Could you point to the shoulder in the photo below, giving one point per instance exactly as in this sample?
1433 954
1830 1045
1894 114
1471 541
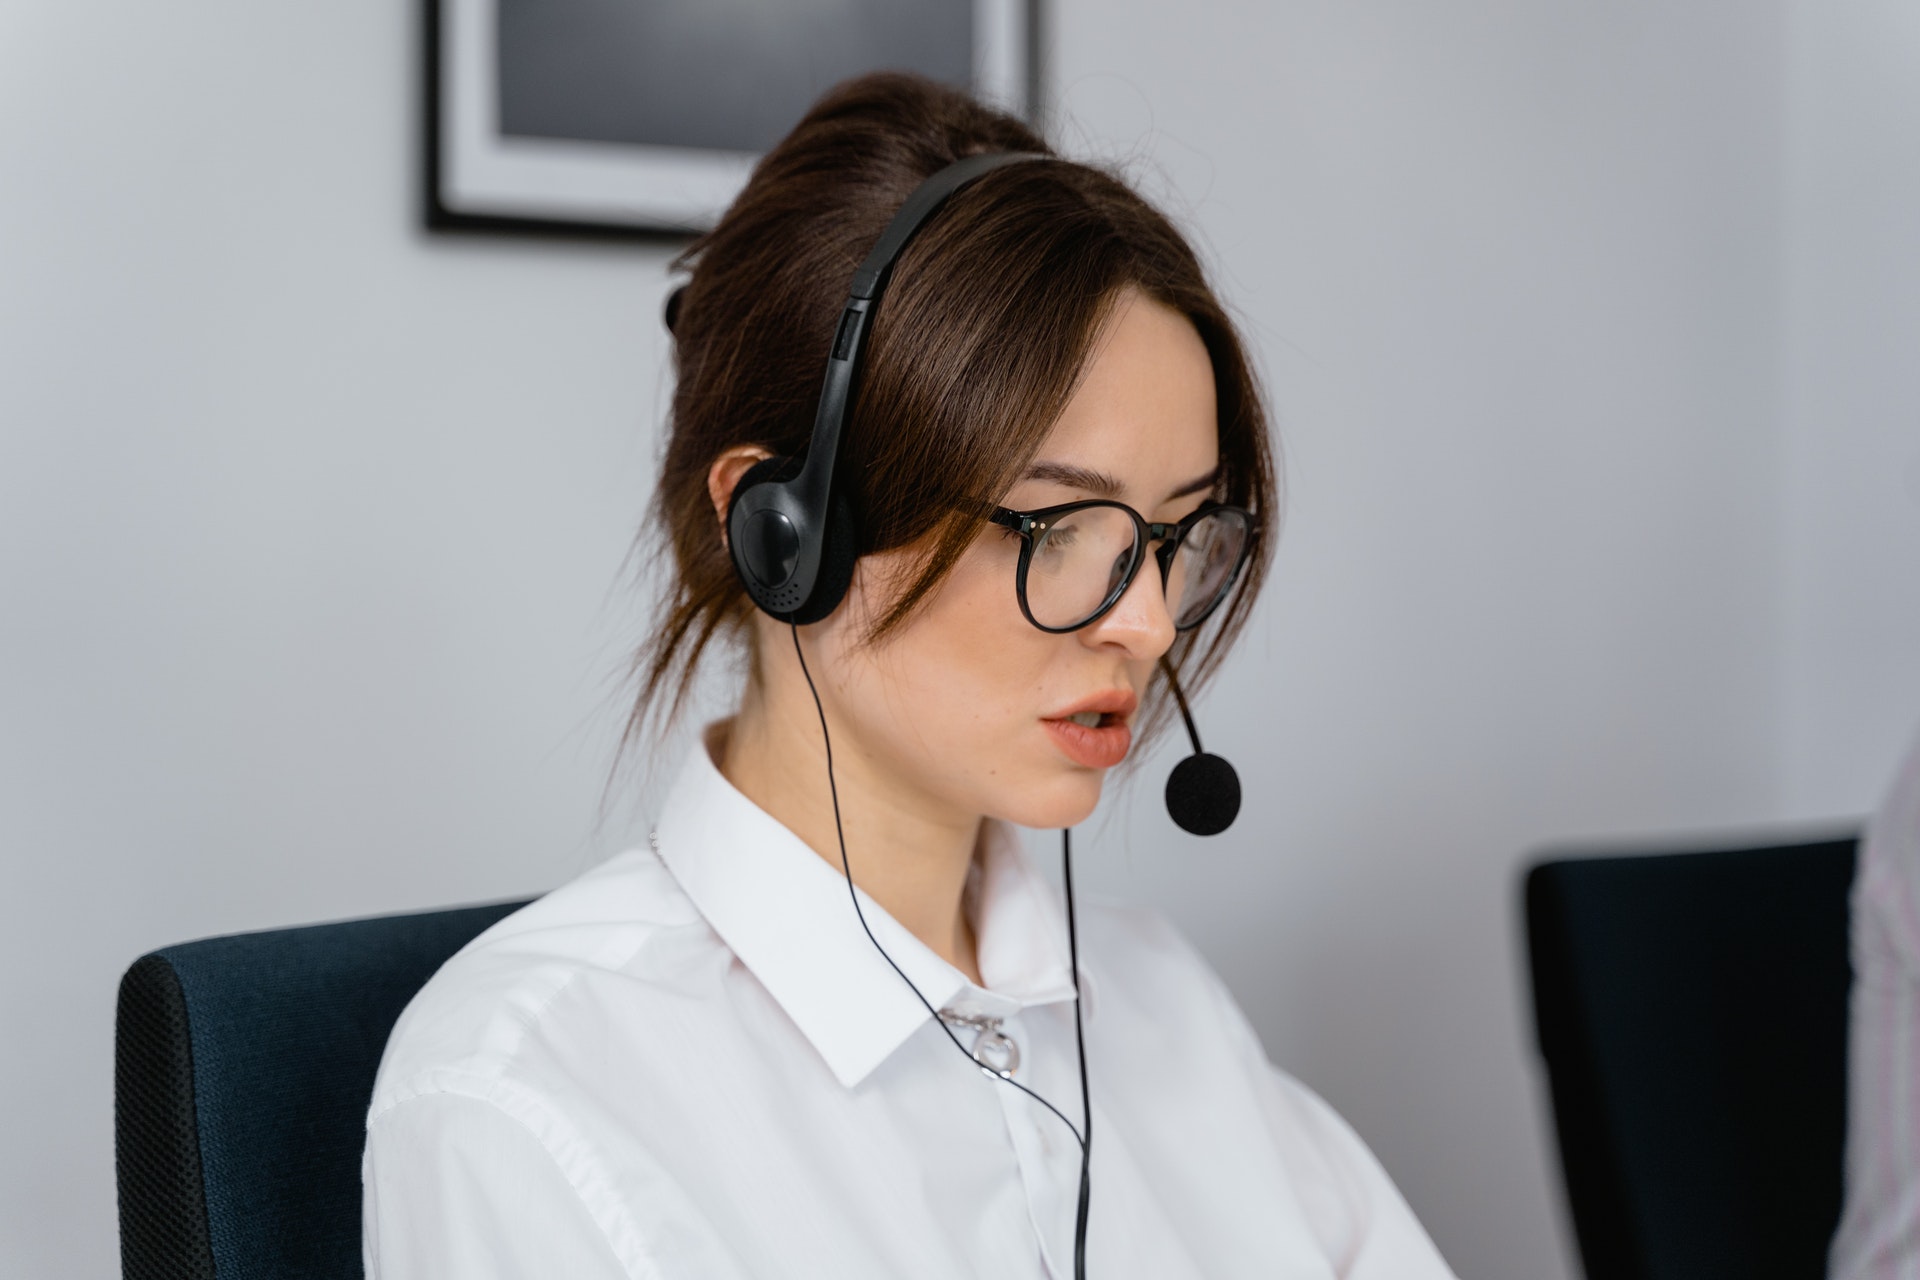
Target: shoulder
1149 971
1140 961
1152 997
1163 1010
623 934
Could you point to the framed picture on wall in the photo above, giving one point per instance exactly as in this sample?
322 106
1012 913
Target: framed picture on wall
645 116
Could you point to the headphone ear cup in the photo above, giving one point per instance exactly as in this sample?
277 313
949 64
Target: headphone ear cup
837 554
836 565
765 471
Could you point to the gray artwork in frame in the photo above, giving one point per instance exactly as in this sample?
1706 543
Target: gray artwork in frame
644 117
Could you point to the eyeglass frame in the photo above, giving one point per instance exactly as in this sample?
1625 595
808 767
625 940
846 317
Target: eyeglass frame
1029 524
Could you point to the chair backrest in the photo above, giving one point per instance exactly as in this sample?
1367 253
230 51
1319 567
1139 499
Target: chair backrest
243 1067
1692 1011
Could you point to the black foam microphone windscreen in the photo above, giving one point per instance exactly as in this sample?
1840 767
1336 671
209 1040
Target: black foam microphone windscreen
1203 794
1203 791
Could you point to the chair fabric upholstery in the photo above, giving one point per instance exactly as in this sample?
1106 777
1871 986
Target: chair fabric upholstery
1692 1012
243 1067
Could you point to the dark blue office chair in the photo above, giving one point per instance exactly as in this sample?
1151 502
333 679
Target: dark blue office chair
1692 1011
242 1071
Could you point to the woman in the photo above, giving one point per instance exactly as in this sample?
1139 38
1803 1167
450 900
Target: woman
713 1057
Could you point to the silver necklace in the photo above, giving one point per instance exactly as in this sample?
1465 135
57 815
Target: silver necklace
996 1052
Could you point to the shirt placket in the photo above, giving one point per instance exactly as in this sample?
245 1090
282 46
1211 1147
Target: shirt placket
1048 1158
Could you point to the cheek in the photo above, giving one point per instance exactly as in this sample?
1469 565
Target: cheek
970 661
956 695
975 623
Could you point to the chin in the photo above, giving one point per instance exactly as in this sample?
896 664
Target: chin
1065 800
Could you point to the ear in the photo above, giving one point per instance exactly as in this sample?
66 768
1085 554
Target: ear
725 474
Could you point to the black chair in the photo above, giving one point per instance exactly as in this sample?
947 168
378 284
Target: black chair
1692 1011
242 1071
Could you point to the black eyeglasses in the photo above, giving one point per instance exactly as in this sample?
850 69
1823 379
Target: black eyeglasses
1079 558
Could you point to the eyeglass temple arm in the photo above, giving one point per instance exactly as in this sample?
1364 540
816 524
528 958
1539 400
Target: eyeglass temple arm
1009 519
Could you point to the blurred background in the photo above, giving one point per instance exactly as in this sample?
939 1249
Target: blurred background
1592 332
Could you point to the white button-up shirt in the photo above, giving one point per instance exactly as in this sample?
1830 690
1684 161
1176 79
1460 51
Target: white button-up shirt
690 1062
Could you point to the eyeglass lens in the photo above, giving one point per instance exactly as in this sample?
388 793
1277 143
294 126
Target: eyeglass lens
1081 560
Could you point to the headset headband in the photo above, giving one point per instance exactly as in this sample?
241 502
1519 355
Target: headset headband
863 300
793 553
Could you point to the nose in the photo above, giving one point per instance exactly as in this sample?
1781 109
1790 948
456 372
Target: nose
1140 623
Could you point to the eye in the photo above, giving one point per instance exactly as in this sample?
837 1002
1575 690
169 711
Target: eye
1058 538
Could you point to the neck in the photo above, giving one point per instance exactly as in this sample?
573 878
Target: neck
907 854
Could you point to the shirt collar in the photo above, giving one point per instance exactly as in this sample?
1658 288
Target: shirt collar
785 913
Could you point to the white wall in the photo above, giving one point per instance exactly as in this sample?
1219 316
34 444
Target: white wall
311 524
1851 607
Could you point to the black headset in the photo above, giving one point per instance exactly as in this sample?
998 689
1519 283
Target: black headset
789 529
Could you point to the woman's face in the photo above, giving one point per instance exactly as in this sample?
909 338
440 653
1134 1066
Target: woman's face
968 707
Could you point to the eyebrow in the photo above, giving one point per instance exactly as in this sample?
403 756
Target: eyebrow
1199 484
1102 485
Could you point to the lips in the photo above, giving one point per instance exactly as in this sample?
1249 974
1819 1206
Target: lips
1095 746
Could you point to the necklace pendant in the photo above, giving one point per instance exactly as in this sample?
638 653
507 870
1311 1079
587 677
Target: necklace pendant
996 1052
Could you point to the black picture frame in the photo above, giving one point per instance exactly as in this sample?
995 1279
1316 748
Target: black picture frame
518 142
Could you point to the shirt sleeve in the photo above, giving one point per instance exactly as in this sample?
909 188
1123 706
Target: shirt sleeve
1879 1233
453 1186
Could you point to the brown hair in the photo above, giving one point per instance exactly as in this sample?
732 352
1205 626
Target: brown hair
974 354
